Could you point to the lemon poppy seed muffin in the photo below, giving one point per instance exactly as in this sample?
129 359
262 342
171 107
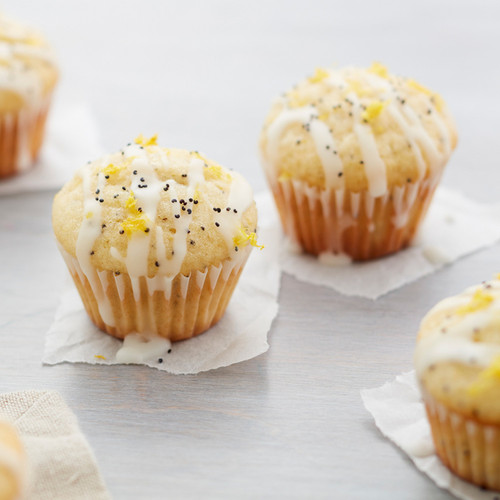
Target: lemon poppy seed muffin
457 362
155 239
28 75
353 157
12 463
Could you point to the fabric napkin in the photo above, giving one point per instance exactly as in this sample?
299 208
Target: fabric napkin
61 465
399 413
71 139
241 334
454 227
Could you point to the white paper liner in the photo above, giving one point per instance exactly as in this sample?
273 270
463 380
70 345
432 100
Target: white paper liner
71 139
241 334
399 413
201 297
358 224
455 226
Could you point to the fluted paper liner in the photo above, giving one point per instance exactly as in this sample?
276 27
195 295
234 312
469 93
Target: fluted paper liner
340 221
175 308
469 448
21 137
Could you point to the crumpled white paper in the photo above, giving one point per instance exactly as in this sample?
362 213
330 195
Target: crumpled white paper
455 226
241 334
399 413
71 139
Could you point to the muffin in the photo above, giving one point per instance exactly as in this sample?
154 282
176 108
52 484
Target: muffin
12 463
28 75
353 157
458 368
155 239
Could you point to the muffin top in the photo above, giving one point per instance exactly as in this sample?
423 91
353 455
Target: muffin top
27 66
457 357
152 211
359 129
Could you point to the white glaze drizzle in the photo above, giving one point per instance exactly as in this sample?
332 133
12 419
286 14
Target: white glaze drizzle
87 236
320 134
453 340
239 199
286 117
181 224
326 149
137 348
375 169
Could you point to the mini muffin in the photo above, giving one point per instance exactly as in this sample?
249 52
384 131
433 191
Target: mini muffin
353 157
155 239
458 367
28 75
12 463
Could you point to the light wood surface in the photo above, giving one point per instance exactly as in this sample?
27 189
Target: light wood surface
290 423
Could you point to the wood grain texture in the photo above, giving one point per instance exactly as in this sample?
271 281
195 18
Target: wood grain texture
290 423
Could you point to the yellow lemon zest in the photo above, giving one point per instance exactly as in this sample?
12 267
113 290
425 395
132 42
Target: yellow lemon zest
88 215
216 172
378 69
99 356
480 300
486 378
320 74
111 169
373 110
323 117
131 202
242 239
136 221
142 141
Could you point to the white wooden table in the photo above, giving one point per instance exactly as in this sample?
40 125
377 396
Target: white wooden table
290 423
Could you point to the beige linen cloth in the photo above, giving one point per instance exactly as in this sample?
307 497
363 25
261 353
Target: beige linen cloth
61 463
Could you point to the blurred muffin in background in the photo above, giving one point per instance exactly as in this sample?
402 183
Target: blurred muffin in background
28 75
353 157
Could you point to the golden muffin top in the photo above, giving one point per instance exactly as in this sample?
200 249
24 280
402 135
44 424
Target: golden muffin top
359 129
457 357
27 67
151 211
